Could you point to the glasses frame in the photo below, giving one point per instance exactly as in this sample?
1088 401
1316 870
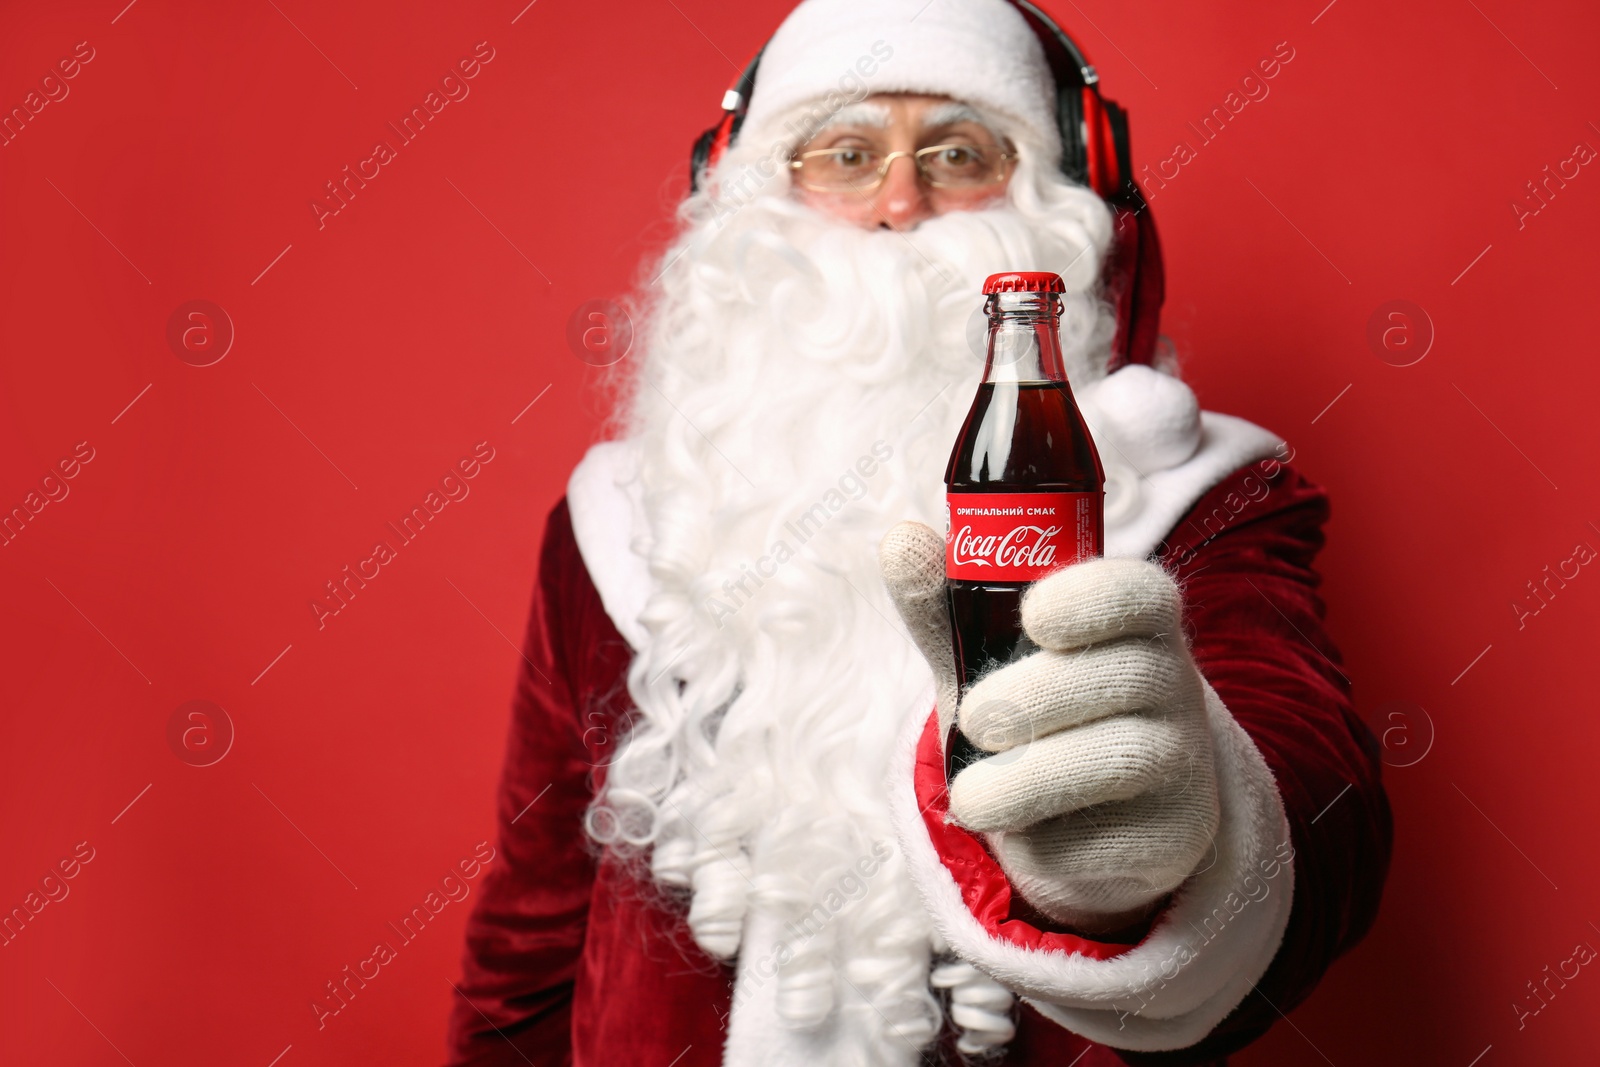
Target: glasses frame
796 164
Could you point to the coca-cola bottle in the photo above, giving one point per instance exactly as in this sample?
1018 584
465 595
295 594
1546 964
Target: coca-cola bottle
1024 488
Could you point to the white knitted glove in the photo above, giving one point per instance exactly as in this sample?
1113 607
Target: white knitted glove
1102 795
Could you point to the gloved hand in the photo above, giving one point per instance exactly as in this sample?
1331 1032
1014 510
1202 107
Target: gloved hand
1102 795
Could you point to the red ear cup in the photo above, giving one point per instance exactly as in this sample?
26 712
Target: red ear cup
710 146
1093 150
1113 158
720 142
1100 144
1134 284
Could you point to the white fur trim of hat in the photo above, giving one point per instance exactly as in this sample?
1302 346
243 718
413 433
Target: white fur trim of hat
837 52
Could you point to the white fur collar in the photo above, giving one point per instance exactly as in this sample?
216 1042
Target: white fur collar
1161 453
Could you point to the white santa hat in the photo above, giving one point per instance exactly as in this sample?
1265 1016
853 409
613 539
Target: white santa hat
836 52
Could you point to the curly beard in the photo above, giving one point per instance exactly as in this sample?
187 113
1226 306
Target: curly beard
800 386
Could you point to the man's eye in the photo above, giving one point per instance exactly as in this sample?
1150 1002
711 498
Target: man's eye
851 157
959 156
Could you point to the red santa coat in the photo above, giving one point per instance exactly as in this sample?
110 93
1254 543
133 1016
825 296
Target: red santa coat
572 958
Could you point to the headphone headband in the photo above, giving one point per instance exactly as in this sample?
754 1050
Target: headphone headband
1054 34
1093 130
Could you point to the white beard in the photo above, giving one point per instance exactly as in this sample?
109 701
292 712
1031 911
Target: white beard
802 383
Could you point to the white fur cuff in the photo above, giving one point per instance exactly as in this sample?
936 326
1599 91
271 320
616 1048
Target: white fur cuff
1213 943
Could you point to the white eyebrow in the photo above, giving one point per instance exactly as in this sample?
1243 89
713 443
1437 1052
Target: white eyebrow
950 113
875 116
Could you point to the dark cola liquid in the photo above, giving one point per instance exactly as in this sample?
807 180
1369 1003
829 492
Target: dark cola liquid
1019 437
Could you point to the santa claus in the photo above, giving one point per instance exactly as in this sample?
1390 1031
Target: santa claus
724 822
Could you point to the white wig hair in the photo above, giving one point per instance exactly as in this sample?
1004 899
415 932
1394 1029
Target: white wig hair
799 383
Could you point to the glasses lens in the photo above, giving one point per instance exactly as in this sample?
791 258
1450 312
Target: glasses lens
839 168
960 164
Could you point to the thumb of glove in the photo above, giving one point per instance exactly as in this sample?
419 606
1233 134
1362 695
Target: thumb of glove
911 559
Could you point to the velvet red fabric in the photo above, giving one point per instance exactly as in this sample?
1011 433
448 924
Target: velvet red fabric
573 958
985 890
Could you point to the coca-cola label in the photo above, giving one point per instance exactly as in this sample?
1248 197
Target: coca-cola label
1019 537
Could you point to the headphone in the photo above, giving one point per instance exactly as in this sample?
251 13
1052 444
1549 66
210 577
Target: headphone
1094 152
1094 130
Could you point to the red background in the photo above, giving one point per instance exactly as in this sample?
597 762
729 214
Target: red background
431 310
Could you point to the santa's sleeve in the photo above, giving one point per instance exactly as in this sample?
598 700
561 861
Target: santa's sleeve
1299 863
526 931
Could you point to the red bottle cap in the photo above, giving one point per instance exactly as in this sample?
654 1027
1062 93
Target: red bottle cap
1025 281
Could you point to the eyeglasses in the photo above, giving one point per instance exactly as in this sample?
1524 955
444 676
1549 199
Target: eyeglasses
862 170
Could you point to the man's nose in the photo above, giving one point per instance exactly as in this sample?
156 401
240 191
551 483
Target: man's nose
901 202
